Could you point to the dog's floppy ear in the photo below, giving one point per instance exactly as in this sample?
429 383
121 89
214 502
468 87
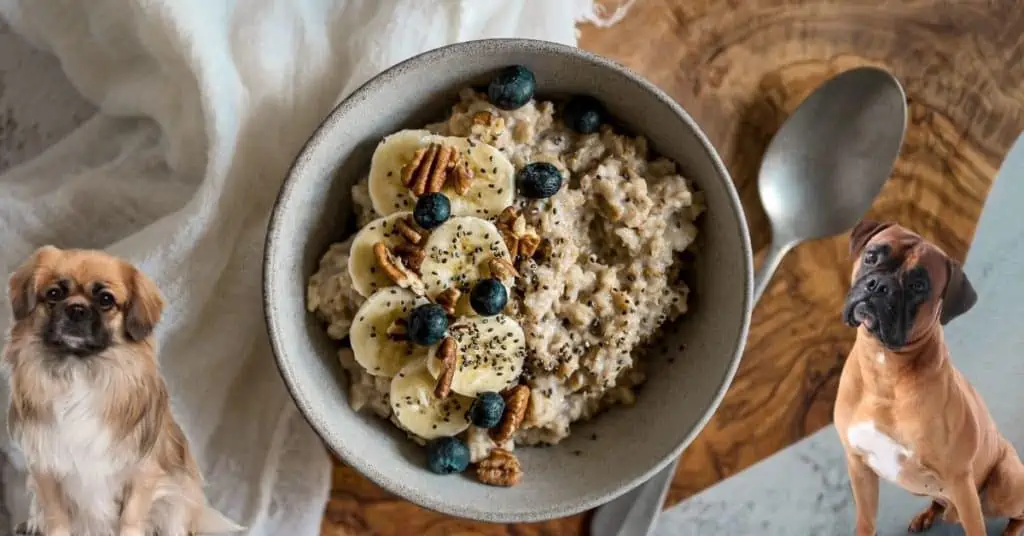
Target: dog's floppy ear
144 307
862 233
959 296
22 286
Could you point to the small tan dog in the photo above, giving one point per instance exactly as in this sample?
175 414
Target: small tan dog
903 411
89 407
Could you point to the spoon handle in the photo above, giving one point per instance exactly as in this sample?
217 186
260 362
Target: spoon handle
635 513
772 259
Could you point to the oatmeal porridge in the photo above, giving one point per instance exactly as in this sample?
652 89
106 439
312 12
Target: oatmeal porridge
511 264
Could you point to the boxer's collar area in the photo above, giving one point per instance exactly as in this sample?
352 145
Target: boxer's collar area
924 351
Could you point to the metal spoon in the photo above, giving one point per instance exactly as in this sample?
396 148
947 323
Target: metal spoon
819 176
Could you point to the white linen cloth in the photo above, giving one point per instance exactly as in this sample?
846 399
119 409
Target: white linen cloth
203 104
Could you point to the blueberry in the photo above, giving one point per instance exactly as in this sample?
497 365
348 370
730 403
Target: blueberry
432 210
512 87
488 297
487 410
538 180
447 455
427 324
584 114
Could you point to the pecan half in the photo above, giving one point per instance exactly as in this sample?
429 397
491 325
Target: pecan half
447 158
500 468
396 270
494 131
463 177
516 401
448 299
511 242
528 244
482 117
419 169
408 232
433 166
411 256
501 268
446 353
521 240
409 170
519 226
508 216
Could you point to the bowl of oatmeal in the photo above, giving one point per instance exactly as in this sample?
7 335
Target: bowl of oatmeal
508 280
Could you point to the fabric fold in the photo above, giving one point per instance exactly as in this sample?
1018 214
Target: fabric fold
202 108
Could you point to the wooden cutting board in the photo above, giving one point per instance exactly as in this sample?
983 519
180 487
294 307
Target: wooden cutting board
740 67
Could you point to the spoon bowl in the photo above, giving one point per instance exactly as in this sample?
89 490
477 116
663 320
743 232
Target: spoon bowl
819 175
825 166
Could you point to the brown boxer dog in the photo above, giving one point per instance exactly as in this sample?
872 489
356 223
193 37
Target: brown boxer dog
903 411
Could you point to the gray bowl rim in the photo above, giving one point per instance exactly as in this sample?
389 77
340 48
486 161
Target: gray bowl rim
331 120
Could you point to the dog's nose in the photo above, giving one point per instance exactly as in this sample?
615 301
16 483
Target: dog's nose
77 312
877 285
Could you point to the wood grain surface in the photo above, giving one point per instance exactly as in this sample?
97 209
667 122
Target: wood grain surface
740 67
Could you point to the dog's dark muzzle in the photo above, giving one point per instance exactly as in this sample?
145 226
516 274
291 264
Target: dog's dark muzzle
77 314
880 285
875 302
78 329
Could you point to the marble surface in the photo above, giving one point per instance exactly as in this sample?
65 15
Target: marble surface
804 489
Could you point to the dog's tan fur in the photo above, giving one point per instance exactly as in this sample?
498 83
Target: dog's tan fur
130 471
948 446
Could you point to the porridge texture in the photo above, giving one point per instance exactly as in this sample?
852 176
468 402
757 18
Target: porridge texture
591 265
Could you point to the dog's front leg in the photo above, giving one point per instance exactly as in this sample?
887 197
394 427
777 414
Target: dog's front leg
50 499
136 505
968 505
864 482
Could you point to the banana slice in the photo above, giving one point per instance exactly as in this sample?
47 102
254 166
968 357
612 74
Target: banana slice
458 253
375 350
419 411
490 351
387 193
491 189
367 277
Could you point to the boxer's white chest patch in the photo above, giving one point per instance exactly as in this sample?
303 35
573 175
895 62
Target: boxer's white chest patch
880 452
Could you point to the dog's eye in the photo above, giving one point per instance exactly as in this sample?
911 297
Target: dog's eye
106 300
871 257
55 294
918 285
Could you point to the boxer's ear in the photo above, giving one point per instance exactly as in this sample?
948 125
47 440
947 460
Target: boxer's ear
862 233
959 296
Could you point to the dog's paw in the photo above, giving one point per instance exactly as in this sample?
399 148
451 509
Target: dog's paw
132 531
32 529
924 520
29 528
26 529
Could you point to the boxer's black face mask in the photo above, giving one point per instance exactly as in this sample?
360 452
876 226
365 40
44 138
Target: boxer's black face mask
902 285
887 296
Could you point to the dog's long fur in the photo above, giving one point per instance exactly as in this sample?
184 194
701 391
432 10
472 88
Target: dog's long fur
89 407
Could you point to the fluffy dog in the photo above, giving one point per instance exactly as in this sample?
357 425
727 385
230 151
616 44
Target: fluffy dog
903 411
89 407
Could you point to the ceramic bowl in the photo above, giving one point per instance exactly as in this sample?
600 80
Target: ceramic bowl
689 372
